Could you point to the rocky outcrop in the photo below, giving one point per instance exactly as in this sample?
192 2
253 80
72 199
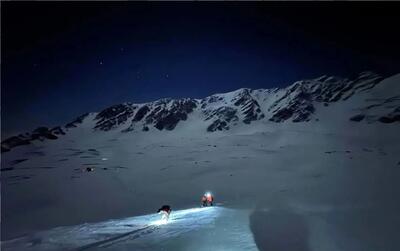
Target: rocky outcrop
297 104
77 121
114 116
40 133
221 118
248 106
166 115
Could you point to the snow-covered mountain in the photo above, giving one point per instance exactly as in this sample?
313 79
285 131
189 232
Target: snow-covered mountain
367 98
312 160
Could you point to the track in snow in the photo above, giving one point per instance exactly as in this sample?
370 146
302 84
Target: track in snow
187 229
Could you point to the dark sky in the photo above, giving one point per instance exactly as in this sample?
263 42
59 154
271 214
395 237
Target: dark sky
60 60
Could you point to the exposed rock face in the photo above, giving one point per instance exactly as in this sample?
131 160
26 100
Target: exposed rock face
43 133
223 116
218 125
40 133
298 102
141 113
57 131
221 112
248 106
14 141
168 113
162 114
77 121
113 116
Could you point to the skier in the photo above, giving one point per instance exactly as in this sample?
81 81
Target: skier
165 211
204 200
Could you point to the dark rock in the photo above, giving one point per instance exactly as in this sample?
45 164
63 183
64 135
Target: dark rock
57 131
14 141
282 115
224 115
42 133
169 121
297 102
304 114
249 106
218 125
357 118
213 99
113 116
299 107
167 118
77 121
389 119
141 113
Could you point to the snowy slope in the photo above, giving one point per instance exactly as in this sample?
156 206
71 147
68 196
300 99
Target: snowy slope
326 173
192 229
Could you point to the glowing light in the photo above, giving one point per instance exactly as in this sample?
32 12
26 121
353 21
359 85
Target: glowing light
159 222
180 215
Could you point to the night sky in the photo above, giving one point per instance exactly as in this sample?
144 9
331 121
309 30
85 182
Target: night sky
60 60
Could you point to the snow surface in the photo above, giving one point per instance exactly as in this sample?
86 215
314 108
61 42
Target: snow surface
190 229
330 184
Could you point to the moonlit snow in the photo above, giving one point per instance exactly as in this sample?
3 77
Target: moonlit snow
326 184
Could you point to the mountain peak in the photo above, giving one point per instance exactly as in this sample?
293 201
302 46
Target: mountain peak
221 112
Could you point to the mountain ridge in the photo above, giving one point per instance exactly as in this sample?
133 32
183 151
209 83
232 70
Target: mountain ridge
296 103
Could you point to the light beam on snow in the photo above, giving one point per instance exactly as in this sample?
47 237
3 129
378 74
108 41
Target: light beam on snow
159 222
181 213
131 232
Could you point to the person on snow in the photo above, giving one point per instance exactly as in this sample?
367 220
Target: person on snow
204 200
207 200
210 199
165 211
